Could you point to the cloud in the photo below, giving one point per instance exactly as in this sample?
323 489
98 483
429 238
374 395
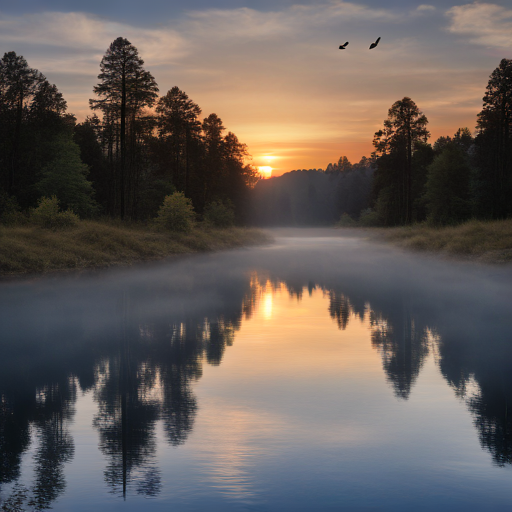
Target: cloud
485 24
276 76
426 8
246 23
86 38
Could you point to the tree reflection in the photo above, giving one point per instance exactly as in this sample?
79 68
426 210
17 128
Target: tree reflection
47 412
142 359
139 365
481 375
403 348
149 377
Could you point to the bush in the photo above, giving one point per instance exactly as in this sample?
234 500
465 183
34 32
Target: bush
369 218
346 221
10 213
177 213
219 214
47 214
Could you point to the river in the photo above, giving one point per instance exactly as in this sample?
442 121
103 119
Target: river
323 372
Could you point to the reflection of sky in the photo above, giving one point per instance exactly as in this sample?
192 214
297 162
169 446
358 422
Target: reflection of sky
272 70
299 413
293 427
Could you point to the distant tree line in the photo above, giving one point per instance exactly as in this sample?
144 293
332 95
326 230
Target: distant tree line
124 162
313 197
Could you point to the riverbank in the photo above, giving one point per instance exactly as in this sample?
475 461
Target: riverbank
483 241
92 244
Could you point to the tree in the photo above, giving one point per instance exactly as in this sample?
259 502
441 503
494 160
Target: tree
213 161
494 144
178 127
65 177
403 129
18 85
447 191
125 88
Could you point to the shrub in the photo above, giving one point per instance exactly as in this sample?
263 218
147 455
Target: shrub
176 213
47 214
219 214
10 213
369 218
346 221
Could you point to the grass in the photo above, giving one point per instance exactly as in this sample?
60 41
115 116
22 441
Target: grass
485 241
92 244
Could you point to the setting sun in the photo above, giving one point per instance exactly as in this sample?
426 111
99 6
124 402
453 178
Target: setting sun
265 171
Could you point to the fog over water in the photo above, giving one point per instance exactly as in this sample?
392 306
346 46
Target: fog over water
319 372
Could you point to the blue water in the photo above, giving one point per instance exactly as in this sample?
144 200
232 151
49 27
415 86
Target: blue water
322 372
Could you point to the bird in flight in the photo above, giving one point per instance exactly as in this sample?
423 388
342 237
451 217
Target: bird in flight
373 45
343 46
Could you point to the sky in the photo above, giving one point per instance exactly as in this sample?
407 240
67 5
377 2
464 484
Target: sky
272 70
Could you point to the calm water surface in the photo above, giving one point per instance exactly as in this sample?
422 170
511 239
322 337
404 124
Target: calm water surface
323 372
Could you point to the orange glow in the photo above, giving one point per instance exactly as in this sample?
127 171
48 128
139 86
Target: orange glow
265 171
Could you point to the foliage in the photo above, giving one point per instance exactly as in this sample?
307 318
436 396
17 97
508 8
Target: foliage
370 218
32 113
48 214
346 221
488 241
179 130
65 177
125 88
405 127
176 213
494 145
448 187
9 209
219 214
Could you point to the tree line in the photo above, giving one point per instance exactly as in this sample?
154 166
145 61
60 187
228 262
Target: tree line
458 177
124 162
407 179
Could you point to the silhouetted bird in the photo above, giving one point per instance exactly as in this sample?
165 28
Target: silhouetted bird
373 45
343 46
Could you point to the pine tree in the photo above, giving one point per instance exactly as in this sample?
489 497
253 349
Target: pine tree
179 128
494 144
125 88
405 126
18 85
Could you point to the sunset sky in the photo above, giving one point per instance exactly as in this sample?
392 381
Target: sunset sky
272 70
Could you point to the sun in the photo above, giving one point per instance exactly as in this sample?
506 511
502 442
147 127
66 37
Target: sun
265 171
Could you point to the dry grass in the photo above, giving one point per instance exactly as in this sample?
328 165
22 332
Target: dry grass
30 249
489 242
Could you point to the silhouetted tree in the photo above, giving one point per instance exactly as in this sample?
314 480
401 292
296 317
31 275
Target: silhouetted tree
18 85
65 177
447 195
403 129
125 88
179 130
494 145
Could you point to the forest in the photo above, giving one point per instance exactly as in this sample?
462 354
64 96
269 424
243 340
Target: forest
122 163
143 147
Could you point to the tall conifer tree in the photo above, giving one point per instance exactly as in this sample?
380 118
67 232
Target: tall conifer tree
405 126
494 143
125 88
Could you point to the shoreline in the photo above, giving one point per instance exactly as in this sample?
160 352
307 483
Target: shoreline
30 251
484 242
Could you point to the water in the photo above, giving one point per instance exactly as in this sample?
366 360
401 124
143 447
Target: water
322 372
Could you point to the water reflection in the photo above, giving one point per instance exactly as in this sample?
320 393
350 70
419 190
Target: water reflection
140 347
